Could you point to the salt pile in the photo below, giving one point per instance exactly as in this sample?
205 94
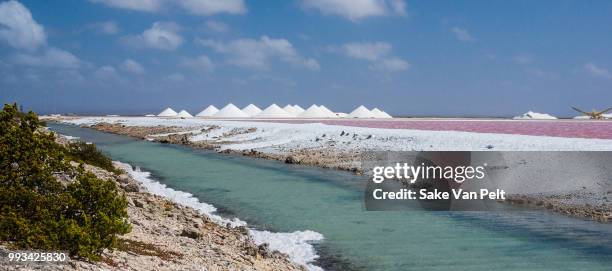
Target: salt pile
208 112
361 112
251 110
230 111
298 109
379 114
530 115
274 111
328 113
168 112
292 110
184 114
313 112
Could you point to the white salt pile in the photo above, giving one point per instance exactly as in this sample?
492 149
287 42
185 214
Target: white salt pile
530 115
274 111
328 113
168 112
379 114
184 114
230 111
361 112
251 110
313 112
208 112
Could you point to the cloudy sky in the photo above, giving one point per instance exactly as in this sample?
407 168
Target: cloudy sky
492 57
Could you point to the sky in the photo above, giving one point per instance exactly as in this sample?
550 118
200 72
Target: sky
412 58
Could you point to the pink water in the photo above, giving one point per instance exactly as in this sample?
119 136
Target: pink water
557 128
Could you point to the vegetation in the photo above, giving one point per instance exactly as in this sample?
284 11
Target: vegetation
88 153
46 203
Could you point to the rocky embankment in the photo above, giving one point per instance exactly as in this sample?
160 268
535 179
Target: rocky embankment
168 236
561 204
320 157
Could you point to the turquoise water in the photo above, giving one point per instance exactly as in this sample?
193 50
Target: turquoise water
279 197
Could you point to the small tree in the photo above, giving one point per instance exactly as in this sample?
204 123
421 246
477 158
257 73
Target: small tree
36 209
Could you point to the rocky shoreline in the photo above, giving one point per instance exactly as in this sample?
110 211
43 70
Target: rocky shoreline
330 158
168 236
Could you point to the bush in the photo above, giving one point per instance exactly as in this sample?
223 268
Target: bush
88 153
82 217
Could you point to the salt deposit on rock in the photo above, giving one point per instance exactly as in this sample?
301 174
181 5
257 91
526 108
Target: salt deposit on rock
184 114
251 110
230 111
313 112
379 114
328 113
274 111
208 112
530 115
168 112
361 112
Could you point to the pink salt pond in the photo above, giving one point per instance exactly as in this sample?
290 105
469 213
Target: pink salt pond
557 128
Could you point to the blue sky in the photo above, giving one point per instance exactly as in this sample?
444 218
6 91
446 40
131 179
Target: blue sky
476 58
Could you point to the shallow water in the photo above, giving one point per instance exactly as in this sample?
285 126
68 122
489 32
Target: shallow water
279 197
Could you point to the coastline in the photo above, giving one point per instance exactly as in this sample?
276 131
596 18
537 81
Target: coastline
171 235
321 149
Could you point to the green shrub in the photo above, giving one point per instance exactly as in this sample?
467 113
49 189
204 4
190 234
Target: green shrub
82 216
88 153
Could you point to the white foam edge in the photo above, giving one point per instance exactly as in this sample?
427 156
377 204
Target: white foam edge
295 244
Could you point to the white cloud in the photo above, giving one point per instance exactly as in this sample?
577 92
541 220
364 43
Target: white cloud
162 36
597 71
462 34
200 63
132 66
106 73
211 7
377 53
257 54
522 59
197 7
371 51
108 27
51 58
216 26
138 5
18 28
390 65
357 9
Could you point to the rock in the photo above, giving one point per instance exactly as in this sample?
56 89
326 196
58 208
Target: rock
139 203
191 233
131 187
123 178
291 160
264 250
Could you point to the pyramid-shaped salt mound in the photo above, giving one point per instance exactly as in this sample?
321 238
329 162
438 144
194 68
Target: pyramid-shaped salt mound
208 112
230 111
327 112
184 114
361 112
274 111
251 110
168 112
313 112
379 114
